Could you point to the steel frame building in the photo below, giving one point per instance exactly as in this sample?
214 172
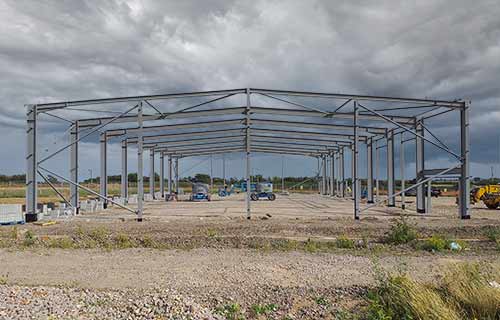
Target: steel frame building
297 129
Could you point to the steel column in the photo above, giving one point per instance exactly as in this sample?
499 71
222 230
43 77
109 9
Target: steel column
402 171
323 175
169 183
140 164
31 164
103 179
391 201
420 166
162 174
248 150
464 188
152 172
342 172
352 170
74 193
332 174
377 172
124 179
176 175
369 171
356 185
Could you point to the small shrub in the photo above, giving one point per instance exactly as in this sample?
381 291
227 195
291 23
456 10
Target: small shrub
259 309
230 311
434 243
29 238
493 234
3 279
212 233
311 246
285 244
322 301
344 243
123 241
401 232
13 233
62 243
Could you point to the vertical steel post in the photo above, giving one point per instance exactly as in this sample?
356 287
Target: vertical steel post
402 170
103 179
355 171
369 171
332 174
74 196
342 172
152 172
223 170
464 188
169 184
323 185
31 164
177 175
319 174
282 173
211 172
391 201
429 194
377 173
352 170
337 180
162 174
248 150
140 164
420 165
124 179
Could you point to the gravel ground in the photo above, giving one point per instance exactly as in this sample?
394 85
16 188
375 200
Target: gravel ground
74 303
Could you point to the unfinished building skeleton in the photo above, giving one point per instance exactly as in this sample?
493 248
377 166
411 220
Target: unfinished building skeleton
205 128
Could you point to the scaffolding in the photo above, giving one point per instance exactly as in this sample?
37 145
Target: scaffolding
347 123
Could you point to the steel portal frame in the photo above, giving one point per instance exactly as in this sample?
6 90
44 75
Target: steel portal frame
302 130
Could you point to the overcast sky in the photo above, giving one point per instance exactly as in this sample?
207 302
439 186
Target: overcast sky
63 50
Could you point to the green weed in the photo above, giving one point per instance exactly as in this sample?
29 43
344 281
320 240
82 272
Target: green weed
401 232
344 243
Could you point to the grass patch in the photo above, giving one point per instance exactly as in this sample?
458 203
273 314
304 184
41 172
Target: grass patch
343 242
230 311
61 243
438 243
264 309
464 292
322 301
400 232
29 238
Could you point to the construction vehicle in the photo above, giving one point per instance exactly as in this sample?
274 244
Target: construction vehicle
200 192
263 190
489 194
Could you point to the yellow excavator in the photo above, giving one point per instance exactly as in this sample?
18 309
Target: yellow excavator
490 195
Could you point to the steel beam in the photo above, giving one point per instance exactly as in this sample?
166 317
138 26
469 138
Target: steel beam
369 171
103 179
391 201
420 167
124 178
31 163
464 188
315 125
73 167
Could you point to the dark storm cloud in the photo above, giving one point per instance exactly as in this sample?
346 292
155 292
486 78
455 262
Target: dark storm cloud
61 50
